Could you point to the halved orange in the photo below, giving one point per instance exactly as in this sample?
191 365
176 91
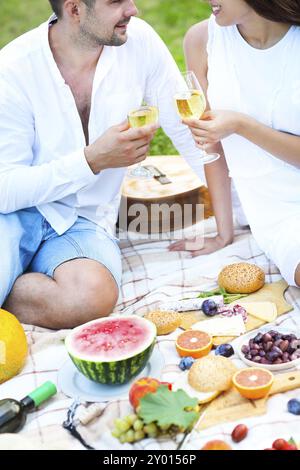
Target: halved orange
193 343
253 382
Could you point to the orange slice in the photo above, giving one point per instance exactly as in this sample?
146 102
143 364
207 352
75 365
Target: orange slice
254 382
193 343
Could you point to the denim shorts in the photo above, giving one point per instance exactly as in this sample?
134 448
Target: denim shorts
29 244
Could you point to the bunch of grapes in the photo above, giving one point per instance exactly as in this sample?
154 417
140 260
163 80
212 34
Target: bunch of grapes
132 429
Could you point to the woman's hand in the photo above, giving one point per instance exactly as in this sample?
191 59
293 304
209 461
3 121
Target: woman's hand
199 246
214 126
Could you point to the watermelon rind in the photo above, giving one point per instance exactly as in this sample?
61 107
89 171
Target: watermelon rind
112 372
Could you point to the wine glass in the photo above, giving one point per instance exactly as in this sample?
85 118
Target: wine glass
145 115
191 103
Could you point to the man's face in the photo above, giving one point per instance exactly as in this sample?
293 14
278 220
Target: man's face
230 12
106 22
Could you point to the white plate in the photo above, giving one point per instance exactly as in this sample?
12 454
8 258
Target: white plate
272 367
76 385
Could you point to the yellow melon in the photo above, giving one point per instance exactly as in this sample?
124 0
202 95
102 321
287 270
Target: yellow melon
13 346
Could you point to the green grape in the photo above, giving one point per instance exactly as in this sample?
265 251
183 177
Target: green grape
122 425
116 433
130 419
164 427
138 425
151 429
123 438
130 436
139 435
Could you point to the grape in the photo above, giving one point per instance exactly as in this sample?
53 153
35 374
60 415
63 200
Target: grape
225 350
151 429
209 308
139 435
116 433
130 419
164 427
123 438
130 436
138 425
121 425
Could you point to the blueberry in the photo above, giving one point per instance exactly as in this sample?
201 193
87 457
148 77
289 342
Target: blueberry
186 363
225 350
294 407
209 308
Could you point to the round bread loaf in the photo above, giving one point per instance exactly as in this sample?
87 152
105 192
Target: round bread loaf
241 278
165 322
211 374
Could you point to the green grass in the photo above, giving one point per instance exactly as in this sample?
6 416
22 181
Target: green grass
170 18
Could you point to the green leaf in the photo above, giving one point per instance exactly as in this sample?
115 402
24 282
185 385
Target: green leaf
292 442
210 293
168 408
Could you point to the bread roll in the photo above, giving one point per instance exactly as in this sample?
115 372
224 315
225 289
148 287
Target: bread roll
165 322
211 374
241 278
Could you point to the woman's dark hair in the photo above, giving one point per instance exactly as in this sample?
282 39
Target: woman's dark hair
57 6
280 11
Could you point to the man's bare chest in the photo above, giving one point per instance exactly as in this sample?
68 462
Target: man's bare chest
82 93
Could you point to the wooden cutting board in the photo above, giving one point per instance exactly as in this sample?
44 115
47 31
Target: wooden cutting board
231 406
270 292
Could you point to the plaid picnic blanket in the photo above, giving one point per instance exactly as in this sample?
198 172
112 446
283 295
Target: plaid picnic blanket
151 274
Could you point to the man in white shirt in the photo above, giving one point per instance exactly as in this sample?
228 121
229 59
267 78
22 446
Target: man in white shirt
65 91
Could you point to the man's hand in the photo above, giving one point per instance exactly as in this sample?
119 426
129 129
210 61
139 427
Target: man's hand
200 246
120 146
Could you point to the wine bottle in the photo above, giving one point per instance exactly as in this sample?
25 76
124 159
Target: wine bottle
13 413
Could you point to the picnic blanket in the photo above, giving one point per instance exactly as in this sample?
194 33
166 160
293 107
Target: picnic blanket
152 274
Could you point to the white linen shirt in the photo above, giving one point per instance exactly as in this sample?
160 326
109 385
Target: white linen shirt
42 161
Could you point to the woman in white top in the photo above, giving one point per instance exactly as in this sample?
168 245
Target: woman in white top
247 59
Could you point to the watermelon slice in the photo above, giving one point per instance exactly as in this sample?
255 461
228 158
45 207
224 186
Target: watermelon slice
112 350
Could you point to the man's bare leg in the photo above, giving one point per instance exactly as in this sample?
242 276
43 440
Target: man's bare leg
81 290
297 275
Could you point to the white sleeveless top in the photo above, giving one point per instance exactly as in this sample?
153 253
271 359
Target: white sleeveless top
264 84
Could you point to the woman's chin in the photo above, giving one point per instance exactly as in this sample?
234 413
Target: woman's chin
221 21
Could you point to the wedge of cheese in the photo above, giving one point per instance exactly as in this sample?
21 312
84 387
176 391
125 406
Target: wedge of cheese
265 311
226 326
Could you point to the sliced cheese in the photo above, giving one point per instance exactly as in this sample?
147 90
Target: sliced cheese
265 311
182 384
2 352
228 326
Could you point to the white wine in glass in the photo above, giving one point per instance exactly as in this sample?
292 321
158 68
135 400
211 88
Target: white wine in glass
191 104
142 116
